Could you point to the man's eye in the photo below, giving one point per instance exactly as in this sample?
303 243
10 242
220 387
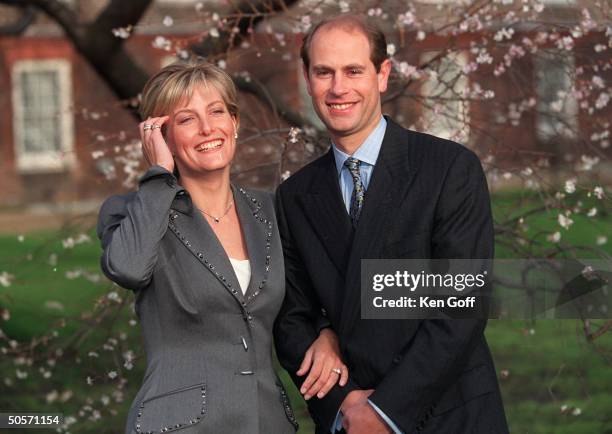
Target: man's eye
321 73
355 71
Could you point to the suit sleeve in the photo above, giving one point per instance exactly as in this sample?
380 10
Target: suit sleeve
131 227
299 322
463 228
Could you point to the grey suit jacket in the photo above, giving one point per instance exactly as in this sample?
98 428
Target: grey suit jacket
209 348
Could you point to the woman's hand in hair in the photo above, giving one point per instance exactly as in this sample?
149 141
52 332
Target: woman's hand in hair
154 146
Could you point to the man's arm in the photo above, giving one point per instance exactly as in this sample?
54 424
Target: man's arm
463 228
299 322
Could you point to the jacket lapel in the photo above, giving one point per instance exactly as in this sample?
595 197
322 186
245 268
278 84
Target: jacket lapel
324 208
197 236
257 232
391 181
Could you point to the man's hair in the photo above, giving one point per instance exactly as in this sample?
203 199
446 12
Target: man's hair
350 22
175 83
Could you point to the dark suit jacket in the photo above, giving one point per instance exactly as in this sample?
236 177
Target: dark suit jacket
427 198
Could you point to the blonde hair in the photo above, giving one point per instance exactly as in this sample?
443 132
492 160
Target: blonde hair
176 82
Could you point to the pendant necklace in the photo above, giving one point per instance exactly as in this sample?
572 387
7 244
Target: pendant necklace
217 219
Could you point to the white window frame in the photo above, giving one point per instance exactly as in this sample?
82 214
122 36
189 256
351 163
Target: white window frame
569 113
51 160
438 124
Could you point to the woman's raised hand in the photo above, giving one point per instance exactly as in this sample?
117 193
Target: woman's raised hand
154 146
325 365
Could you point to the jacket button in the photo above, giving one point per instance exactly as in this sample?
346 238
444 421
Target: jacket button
324 312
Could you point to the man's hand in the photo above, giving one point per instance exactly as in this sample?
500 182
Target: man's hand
359 417
321 359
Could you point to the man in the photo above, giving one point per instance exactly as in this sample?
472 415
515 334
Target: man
381 192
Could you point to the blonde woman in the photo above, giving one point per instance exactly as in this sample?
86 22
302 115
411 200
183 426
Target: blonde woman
205 261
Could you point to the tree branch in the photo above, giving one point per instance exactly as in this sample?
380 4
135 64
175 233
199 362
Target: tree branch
27 17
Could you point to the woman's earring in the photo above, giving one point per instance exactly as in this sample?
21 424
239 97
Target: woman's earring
235 134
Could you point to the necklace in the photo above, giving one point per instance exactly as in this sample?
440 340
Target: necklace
217 219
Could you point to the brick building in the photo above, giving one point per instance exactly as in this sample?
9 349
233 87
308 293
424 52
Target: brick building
65 137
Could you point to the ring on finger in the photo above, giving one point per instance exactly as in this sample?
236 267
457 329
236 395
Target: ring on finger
337 371
155 127
147 127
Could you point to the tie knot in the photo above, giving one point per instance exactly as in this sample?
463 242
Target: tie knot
352 164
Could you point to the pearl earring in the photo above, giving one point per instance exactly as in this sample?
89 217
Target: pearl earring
236 135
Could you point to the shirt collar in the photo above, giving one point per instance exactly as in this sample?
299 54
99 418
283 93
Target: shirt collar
368 151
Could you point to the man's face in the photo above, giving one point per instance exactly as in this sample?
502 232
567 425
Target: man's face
343 82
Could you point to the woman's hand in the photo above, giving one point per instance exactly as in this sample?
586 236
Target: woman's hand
322 358
154 146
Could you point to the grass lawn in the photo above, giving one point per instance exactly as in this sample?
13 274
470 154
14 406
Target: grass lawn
552 380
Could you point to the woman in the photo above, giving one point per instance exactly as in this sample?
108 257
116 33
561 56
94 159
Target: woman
205 260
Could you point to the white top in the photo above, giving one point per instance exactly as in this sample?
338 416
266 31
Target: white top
242 268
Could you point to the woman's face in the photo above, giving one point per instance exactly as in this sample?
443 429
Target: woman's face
201 132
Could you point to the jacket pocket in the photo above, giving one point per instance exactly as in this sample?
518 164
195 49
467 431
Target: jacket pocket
173 410
287 405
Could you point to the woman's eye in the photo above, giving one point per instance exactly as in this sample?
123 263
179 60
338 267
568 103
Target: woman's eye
184 120
218 111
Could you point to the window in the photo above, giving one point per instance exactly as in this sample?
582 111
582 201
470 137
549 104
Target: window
42 120
556 108
446 111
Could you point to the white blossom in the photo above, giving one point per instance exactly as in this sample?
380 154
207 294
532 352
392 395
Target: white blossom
112 375
564 221
602 100
592 212
6 279
587 162
406 19
505 33
54 305
113 296
565 43
598 82
554 237
570 185
162 43
294 134
598 192
214 32
168 21
599 48
420 35
407 70
52 396
344 6
601 240
390 49
122 32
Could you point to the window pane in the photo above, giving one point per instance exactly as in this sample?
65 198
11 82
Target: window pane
40 108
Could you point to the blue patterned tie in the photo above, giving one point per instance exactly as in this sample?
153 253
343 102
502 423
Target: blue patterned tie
352 164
